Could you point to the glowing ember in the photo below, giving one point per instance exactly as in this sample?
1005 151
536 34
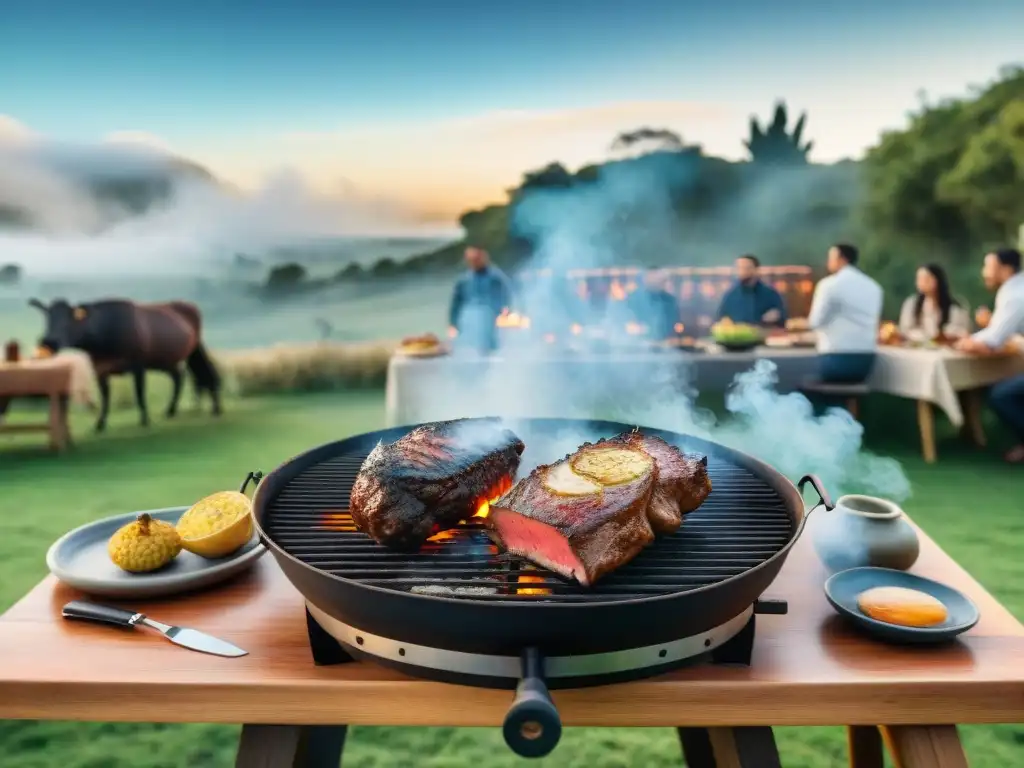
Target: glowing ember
509 319
528 578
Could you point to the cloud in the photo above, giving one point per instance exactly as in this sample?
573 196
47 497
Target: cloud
12 131
139 139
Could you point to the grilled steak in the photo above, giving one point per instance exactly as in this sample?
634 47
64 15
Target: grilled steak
683 482
432 478
580 525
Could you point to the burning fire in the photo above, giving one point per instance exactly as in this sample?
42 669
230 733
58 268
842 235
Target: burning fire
483 507
509 319
528 578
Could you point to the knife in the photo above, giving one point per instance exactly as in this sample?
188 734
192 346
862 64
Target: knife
192 639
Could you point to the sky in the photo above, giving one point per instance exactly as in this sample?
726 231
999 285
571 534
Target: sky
441 105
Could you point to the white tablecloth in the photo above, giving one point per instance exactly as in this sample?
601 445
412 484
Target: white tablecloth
938 375
581 386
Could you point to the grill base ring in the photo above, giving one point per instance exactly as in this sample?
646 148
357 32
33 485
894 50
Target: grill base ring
578 671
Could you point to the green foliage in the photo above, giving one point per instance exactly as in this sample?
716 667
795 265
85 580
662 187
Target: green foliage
10 274
285 276
773 144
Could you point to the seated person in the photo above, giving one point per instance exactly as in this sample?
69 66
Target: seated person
1002 274
750 300
845 312
933 312
655 306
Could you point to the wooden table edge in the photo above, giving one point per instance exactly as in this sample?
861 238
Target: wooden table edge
435 704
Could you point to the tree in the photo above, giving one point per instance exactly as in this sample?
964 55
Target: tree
658 138
774 144
10 274
988 181
285 277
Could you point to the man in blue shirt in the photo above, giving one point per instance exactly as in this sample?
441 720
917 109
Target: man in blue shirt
750 300
478 298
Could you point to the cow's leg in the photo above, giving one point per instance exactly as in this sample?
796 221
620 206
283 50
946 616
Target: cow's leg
176 379
139 377
104 384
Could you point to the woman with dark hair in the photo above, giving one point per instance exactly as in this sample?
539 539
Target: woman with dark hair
933 312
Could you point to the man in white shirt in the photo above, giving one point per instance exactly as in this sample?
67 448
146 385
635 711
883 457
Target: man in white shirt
845 312
1002 274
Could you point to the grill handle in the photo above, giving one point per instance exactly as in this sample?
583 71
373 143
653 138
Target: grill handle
824 500
252 477
532 726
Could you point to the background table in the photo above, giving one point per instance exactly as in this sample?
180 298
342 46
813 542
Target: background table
59 379
809 668
942 378
426 389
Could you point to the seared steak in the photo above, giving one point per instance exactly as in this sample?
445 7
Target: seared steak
581 517
432 478
683 481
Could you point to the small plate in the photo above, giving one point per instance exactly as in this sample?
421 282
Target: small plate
843 588
80 560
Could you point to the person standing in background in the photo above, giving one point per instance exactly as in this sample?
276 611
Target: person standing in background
750 300
933 312
845 312
478 298
655 306
1002 274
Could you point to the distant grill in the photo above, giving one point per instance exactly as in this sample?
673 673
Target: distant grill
743 523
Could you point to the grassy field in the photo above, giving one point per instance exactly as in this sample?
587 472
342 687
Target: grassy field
968 502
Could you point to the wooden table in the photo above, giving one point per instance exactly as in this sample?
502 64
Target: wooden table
49 379
809 668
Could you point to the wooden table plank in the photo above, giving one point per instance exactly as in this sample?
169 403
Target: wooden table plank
813 668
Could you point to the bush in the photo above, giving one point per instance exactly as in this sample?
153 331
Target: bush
307 368
10 274
285 276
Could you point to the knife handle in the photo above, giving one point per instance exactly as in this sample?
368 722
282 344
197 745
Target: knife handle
105 614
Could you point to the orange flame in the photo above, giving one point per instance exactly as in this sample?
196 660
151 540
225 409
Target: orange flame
678 327
527 578
806 286
616 291
483 507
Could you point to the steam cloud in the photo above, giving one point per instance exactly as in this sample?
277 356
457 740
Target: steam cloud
76 231
580 228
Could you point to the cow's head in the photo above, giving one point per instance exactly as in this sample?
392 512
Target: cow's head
65 324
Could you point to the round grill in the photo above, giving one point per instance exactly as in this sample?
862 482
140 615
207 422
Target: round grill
460 593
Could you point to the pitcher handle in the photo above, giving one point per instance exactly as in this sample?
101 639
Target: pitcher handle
824 500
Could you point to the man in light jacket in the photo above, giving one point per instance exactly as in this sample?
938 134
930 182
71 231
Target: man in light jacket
478 297
845 312
1002 274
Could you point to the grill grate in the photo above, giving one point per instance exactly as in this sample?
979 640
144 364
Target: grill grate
743 523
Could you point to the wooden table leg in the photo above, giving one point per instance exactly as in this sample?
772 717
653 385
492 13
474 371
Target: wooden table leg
745 747
58 425
925 746
291 746
865 746
926 423
971 403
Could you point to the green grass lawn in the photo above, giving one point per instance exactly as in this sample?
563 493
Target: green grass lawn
969 502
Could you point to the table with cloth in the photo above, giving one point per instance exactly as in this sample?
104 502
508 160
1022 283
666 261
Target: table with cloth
60 379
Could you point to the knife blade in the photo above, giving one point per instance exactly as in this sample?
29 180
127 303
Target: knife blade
186 637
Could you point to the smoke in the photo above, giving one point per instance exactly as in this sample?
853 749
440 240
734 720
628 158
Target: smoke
630 207
118 208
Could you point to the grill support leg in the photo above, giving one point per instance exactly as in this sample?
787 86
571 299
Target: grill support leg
746 747
291 746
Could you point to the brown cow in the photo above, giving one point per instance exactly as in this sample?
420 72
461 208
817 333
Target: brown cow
121 336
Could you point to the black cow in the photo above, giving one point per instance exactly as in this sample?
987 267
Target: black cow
121 336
